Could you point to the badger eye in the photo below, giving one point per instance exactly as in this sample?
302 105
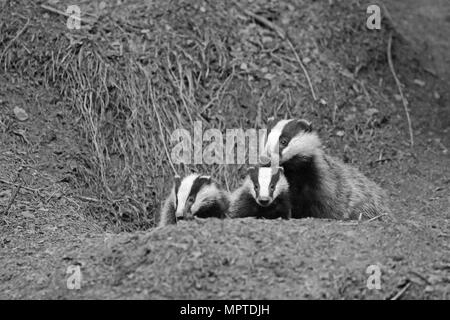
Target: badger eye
256 188
283 142
191 199
272 187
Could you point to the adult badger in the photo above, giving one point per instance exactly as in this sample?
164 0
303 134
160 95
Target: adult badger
264 194
321 186
194 196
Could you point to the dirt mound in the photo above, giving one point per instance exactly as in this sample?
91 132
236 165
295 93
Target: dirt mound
248 259
268 260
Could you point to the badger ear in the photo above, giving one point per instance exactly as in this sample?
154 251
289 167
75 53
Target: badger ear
208 179
305 124
281 169
250 170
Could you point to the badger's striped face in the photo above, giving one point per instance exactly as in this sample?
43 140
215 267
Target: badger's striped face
266 184
288 138
190 194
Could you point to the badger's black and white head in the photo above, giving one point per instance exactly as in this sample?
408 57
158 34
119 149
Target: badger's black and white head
266 184
193 194
289 138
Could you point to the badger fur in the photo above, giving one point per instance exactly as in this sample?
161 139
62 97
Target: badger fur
264 194
194 196
321 186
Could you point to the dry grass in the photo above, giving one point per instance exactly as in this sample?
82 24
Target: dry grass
182 62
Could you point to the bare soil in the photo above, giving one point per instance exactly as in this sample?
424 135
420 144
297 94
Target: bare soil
46 228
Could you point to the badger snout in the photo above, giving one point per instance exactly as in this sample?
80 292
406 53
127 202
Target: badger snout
179 215
188 216
185 214
185 217
264 201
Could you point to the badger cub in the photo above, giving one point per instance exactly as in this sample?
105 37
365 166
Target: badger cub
321 186
264 194
194 196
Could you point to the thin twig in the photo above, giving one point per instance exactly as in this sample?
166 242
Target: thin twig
284 36
417 274
399 86
54 10
17 185
401 292
376 217
14 195
50 197
11 200
280 32
15 38
303 68
73 201
226 183
153 98
162 133
86 199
